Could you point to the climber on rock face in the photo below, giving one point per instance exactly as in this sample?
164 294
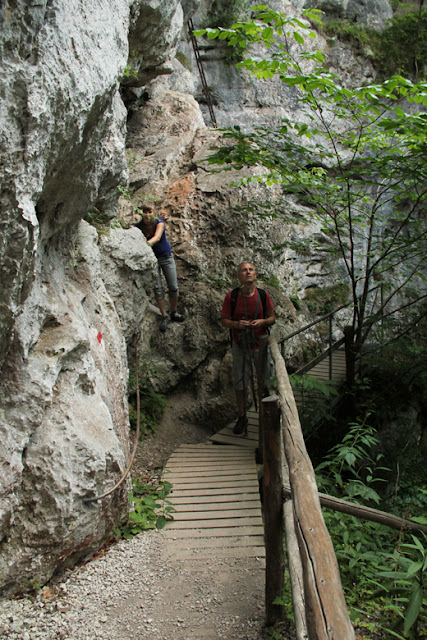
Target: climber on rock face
248 312
154 231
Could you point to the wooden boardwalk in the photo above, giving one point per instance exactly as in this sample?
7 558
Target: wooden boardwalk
226 436
216 491
321 370
216 497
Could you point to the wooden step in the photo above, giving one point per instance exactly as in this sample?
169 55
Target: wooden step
216 497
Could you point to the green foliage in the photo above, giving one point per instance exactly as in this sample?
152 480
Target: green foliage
358 36
411 500
242 33
321 301
150 510
132 159
400 48
103 221
300 246
152 402
355 158
351 459
382 574
220 283
403 576
225 12
398 397
285 600
306 384
314 398
125 192
98 218
129 72
272 281
294 298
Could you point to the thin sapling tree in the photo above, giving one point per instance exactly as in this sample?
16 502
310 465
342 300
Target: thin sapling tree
355 157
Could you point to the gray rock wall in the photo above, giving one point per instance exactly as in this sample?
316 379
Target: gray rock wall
72 302
63 403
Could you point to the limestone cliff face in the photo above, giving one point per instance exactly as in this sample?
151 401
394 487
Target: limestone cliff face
63 406
74 303
214 226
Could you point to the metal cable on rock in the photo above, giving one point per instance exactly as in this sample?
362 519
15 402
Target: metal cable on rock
138 420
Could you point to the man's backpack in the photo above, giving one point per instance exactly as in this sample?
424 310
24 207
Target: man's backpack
235 293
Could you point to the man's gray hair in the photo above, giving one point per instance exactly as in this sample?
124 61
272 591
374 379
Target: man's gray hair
244 262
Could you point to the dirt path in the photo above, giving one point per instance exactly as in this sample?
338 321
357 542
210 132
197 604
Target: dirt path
201 599
134 590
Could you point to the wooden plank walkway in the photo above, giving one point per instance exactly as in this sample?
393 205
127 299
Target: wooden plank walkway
216 497
216 491
226 436
321 370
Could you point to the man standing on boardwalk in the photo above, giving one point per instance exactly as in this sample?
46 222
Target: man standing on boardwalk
248 312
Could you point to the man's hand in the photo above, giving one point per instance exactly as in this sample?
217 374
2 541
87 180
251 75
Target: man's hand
243 324
259 322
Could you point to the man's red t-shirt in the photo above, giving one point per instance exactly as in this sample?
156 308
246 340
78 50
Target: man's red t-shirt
240 314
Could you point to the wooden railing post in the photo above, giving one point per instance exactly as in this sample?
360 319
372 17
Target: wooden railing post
261 382
273 510
296 575
326 612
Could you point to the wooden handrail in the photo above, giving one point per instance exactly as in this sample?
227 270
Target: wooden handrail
296 576
319 358
326 612
272 483
321 319
363 512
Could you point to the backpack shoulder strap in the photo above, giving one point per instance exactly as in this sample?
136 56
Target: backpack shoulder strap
263 297
234 294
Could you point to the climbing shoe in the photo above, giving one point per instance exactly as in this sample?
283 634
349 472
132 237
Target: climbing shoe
164 323
176 316
241 426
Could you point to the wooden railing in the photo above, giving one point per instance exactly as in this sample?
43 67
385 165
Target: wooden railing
332 346
325 613
291 502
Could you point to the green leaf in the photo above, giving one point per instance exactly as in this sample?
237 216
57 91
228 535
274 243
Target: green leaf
160 522
418 543
395 575
414 568
350 458
414 608
137 518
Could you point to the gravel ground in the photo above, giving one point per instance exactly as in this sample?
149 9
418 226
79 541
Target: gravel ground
133 591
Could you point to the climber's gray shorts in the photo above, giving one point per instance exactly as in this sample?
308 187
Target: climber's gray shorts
167 265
